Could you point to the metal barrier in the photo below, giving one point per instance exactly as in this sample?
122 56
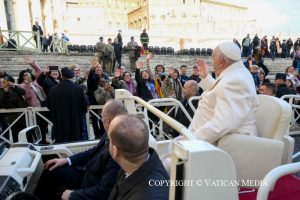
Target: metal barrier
31 114
23 112
194 98
133 104
294 101
140 108
96 114
25 41
20 40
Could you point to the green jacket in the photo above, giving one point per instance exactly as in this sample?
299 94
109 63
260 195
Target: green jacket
144 38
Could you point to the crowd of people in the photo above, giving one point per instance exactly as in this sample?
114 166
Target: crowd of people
110 53
46 40
273 48
57 88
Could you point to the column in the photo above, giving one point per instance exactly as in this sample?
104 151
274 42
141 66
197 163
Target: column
3 20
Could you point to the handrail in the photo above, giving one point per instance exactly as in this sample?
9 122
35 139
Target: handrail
20 40
167 119
290 97
24 40
194 98
24 112
296 108
31 113
126 95
271 178
174 102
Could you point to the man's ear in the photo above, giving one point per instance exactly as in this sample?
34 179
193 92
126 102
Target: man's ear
222 62
115 151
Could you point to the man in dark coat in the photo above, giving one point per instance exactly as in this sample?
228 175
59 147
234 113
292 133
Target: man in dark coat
272 49
67 104
255 42
289 46
87 175
264 46
280 79
141 166
144 38
284 48
189 89
50 38
118 53
37 28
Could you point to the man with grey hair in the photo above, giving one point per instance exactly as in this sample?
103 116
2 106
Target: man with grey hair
229 103
189 89
141 166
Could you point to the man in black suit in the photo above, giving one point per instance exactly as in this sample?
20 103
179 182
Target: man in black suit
87 175
37 28
128 136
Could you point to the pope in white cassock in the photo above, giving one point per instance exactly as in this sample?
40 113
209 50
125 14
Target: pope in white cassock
229 103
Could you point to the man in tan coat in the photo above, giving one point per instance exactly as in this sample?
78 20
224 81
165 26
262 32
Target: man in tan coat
100 48
132 46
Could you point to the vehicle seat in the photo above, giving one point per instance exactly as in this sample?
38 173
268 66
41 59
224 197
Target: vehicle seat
255 156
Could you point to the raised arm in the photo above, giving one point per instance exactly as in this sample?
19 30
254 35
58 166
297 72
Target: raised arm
207 80
138 77
148 58
30 61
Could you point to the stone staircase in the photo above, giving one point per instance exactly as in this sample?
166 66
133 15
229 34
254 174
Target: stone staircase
13 62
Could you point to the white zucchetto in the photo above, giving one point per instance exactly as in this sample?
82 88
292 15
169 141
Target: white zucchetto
230 50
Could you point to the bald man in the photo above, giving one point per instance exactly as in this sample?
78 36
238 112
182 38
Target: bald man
189 89
142 168
229 103
87 175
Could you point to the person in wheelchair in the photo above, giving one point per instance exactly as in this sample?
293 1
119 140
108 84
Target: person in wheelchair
87 175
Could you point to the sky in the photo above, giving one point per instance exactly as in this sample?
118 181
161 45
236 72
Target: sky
274 15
